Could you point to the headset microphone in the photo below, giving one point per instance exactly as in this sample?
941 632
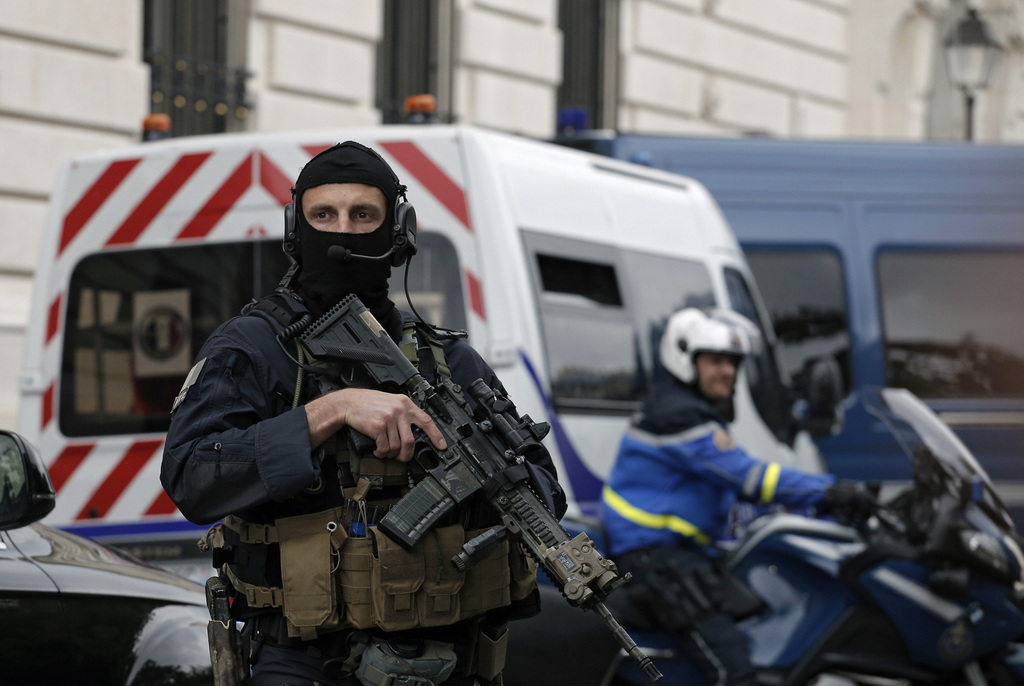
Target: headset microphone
340 254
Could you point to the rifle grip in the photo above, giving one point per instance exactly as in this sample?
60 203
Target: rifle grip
361 443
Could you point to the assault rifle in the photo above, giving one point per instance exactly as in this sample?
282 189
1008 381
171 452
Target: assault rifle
485 456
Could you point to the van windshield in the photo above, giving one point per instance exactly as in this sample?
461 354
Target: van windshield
136 319
767 388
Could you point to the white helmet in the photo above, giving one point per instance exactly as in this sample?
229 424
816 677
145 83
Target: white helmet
692 331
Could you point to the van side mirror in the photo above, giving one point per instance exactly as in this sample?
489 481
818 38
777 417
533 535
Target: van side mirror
819 411
26 492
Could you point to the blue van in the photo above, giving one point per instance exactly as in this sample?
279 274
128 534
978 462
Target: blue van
902 261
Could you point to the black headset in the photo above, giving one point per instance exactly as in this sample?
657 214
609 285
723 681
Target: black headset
403 232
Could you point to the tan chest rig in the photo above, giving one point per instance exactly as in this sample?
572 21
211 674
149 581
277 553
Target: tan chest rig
339 571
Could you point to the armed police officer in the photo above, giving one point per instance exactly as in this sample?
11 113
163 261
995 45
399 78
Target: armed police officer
260 440
676 477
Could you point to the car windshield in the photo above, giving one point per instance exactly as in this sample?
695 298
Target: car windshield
914 426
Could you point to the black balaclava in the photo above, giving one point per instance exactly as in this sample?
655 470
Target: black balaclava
323 281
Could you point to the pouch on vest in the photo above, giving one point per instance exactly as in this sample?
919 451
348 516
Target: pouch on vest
524 572
399 576
310 600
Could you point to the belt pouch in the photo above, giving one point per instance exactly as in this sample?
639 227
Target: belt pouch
310 601
491 649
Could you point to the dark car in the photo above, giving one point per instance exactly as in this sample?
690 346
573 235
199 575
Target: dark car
75 612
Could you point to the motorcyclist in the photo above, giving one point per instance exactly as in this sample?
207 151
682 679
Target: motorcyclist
678 474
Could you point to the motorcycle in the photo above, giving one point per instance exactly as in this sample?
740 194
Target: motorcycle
927 590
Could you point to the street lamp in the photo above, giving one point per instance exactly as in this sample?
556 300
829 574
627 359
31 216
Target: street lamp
971 53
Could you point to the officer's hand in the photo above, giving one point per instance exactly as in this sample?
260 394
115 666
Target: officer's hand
387 418
852 500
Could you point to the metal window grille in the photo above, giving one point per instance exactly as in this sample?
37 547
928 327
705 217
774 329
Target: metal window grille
589 61
196 53
414 57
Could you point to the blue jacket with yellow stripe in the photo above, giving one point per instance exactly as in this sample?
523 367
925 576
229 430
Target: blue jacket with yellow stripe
678 474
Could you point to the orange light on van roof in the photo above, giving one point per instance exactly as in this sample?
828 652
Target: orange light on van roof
157 122
424 103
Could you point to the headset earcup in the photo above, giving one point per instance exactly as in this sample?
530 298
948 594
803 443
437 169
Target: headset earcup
291 233
404 241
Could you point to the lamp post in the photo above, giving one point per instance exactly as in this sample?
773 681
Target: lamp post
971 54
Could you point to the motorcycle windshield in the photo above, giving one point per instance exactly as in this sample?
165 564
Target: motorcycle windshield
915 426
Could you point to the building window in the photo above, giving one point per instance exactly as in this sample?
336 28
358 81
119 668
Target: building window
196 53
587 96
414 57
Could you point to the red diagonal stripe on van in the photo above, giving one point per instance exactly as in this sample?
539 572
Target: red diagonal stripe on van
47 406
275 181
53 318
162 505
476 294
433 178
111 489
314 150
220 202
67 462
93 198
157 198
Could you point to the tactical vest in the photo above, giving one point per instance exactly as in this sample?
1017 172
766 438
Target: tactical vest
338 571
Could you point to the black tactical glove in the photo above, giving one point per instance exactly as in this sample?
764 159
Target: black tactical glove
851 500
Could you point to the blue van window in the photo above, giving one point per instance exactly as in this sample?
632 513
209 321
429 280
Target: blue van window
952 322
806 299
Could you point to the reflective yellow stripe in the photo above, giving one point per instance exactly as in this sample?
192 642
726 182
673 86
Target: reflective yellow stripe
651 520
769 482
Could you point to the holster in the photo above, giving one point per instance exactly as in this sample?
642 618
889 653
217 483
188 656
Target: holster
225 643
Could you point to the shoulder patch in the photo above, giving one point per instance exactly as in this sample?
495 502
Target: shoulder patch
723 441
190 380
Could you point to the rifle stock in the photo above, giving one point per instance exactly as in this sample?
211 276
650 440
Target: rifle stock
484 456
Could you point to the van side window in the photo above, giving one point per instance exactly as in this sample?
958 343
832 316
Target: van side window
763 376
806 300
952 322
603 312
590 280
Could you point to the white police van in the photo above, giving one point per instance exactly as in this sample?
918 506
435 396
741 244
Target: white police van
562 266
